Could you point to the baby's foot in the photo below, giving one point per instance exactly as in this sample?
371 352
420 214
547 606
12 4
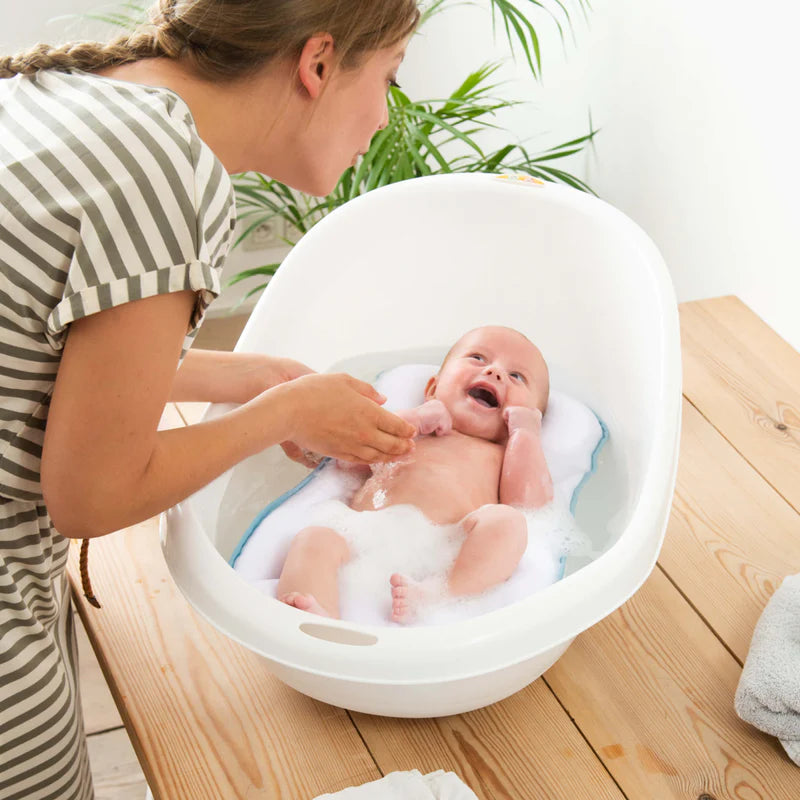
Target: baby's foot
409 596
305 602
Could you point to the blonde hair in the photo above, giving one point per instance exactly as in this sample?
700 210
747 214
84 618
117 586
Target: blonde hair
229 39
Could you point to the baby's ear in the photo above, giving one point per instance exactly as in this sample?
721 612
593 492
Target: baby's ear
430 388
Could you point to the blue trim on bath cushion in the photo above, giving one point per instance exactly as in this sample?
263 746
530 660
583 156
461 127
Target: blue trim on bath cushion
592 469
271 507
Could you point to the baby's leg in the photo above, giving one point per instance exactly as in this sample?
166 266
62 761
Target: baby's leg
496 538
310 576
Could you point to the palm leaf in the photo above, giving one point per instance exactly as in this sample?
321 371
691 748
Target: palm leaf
266 269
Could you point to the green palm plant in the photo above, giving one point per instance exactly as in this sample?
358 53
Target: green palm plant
423 137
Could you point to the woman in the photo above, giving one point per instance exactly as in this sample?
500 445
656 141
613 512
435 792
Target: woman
116 213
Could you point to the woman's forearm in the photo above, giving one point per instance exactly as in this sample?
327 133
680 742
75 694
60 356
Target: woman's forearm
183 460
217 376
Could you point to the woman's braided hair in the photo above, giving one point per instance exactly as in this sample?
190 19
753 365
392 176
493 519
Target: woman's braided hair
227 39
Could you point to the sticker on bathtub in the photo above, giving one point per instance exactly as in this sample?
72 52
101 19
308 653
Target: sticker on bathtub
522 180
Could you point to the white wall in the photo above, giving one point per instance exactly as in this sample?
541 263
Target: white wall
27 23
697 105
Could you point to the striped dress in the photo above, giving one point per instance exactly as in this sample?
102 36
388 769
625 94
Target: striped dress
107 195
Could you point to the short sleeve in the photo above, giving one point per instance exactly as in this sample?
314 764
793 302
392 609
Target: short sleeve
151 206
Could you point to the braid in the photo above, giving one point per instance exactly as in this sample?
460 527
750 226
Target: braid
86 583
160 37
86 56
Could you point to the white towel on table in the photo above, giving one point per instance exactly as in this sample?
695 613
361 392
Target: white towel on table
413 785
768 695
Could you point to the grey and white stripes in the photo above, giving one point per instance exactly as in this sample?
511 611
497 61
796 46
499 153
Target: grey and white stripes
107 195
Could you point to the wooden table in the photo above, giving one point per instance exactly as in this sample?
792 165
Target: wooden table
640 706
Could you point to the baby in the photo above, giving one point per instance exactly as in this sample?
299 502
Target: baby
477 461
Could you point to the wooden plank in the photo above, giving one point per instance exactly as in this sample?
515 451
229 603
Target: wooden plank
732 538
746 381
741 320
652 689
522 747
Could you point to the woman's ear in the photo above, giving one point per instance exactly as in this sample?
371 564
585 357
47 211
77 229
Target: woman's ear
430 388
316 63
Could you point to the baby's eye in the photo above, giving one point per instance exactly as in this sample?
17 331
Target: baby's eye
477 356
518 376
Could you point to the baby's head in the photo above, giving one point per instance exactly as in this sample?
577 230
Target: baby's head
487 370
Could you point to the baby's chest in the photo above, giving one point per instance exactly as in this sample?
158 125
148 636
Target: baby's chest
468 460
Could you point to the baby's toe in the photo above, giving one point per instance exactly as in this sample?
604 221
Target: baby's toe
297 600
399 592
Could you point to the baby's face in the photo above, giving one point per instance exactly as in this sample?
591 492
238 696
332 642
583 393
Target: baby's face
486 371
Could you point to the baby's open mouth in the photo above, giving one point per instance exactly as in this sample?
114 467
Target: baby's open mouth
486 397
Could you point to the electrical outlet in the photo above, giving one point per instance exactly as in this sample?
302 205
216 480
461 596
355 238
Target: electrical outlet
290 233
265 236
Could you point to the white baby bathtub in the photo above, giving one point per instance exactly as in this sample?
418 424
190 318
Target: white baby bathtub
415 265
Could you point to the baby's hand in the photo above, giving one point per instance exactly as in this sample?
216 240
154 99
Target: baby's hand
520 418
433 417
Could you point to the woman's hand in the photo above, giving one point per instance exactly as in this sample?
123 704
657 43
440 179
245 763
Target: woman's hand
340 416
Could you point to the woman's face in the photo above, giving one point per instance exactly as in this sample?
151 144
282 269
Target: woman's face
351 108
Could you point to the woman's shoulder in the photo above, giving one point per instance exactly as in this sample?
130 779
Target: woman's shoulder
100 132
80 105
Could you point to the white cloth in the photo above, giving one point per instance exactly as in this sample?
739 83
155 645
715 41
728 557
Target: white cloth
413 785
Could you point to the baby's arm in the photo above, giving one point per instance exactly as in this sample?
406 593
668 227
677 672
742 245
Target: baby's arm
431 417
525 480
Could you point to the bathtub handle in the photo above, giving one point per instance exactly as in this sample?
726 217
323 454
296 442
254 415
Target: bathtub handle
330 633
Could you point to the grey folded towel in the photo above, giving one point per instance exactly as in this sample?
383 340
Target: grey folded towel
768 695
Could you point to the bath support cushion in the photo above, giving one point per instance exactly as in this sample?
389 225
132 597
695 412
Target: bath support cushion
572 436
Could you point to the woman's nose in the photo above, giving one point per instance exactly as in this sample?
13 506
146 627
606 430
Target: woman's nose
385 118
